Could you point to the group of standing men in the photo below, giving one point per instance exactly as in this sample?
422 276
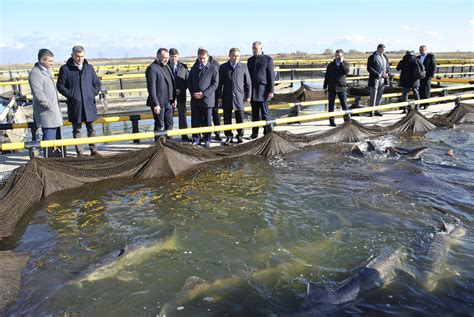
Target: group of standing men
416 74
211 85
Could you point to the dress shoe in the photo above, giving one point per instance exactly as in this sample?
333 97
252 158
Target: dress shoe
253 136
196 143
378 113
207 144
96 153
217 137
332 124
227 141
239 139
404 110
80 154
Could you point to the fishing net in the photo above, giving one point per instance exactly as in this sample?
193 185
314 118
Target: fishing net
41 177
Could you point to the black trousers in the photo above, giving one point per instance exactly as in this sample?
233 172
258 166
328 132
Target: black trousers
76 133
164 120
260 112
216 120
201 117
239 118
425 87
332 100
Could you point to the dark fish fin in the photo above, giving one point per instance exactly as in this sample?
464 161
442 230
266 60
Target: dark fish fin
316 294
371 146
122 251
191 282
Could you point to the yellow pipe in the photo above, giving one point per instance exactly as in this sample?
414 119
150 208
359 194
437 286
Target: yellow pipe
148 135
317 80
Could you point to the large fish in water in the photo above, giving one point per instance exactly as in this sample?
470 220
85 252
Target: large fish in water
115 264
378 272
443 239
377 149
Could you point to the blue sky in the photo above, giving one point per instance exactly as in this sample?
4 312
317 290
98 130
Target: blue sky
118 28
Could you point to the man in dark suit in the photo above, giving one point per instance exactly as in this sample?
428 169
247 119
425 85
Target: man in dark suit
429 61
161 91
234 89
78 82
262 73
335 83
202 84
180 74
378 67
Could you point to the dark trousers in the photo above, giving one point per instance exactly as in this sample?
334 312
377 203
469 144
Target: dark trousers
51 134
425 87
239 118
201 117
76 133
216 120
183 123
260 112
332 100
164 120
406 90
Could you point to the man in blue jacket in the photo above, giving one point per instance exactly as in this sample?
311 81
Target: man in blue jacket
262 73
78 82
161 91
378 67
202 84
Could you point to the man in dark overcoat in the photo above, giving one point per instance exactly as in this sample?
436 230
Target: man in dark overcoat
202 84
78 82
262 73
234 90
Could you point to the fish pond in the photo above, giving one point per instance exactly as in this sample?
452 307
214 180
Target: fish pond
244 237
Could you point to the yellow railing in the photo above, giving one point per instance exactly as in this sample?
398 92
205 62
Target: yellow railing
148 135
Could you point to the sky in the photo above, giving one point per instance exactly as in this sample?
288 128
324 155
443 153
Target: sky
125 29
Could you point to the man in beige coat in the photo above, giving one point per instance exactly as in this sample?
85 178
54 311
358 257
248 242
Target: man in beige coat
46 109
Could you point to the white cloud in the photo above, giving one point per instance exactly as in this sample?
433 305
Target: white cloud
432 34
408 28
15 46
471 22
355 38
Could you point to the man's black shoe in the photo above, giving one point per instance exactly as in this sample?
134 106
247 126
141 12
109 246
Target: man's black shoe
253 136
227 141
217 137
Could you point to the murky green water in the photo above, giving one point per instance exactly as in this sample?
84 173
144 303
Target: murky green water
256 230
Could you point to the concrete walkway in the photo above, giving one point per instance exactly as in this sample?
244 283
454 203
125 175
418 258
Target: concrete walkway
8 162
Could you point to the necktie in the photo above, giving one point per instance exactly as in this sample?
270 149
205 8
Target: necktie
175 70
